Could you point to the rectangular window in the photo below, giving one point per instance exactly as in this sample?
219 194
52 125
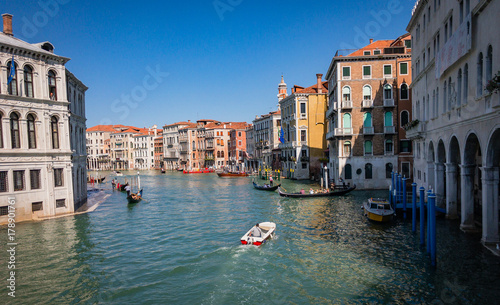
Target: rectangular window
58 177
346 72
376 52
60 203
405 146
35 179
405 169
403 68
3 182
303 109
303 136
304 165
367 71
366 53
18 181
387 70
4 211
37 206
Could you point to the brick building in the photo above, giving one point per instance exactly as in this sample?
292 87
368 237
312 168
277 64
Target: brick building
369 103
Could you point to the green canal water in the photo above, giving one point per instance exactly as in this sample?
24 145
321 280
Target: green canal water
181 246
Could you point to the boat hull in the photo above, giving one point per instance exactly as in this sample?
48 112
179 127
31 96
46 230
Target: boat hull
232 174
330 194
262 188
378 210
377 217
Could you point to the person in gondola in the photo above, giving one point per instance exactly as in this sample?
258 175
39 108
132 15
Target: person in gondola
127 189
311 191
271 181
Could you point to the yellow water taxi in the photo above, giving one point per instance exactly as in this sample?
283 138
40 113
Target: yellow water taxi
378 209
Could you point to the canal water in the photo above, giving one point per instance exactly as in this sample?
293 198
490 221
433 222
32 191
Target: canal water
181 246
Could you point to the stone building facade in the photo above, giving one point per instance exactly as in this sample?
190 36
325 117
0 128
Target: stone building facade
456 130
42 124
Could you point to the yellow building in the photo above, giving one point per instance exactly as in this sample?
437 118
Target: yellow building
303 143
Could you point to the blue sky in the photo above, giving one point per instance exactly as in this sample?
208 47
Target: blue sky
159 62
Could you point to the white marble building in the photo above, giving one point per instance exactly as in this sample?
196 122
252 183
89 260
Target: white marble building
457 135
171 146
42 147
144 149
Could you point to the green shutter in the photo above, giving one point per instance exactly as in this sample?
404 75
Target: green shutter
387 70
346 71
404 68
367 71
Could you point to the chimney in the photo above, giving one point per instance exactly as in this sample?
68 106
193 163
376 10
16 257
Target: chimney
371 40
7 24
320 83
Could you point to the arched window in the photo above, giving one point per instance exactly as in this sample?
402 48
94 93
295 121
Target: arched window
437 103
479 89
466 83
12 86
367 93
387 92
404 91
222 154
218 154
1 131
194 145
348 171
367 119
52 86
368 171
14 130
346 94
450 97
404 118
31 132
347 148
28 81
489 64
388 170
368 148
433 103
459 88
347 120
444 97
54 129
388 119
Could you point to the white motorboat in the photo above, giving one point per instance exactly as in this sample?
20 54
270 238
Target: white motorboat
267 232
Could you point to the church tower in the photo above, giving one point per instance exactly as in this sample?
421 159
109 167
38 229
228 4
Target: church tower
282 90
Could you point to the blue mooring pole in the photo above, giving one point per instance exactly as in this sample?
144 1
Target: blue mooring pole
404 197
393 177
432 221
422 216
414 207
398 186
429 192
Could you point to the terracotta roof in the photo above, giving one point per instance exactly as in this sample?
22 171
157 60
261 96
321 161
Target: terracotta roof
107 128
312 89
376 45
178 123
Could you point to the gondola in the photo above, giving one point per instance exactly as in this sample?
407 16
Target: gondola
243 174
98 180
163 171
264 188
135 198
334 193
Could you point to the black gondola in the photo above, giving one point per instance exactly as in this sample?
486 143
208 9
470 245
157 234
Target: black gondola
266 188
135 198
334 193
98 180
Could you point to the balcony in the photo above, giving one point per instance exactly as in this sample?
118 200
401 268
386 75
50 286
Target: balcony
343 131
304 159
330 135
367 104
331 110
415 130
368 130
389 103
346 104
389 129
291 144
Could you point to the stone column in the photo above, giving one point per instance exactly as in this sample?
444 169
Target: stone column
451 191
490 205
467 185
439 184
430 175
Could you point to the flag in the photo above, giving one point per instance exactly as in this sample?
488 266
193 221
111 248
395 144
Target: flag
282 136
12 71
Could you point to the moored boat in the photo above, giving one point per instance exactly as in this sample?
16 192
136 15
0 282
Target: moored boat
266 187
267 232
326 194
135 198
378 209
163 171
233 174
198 171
